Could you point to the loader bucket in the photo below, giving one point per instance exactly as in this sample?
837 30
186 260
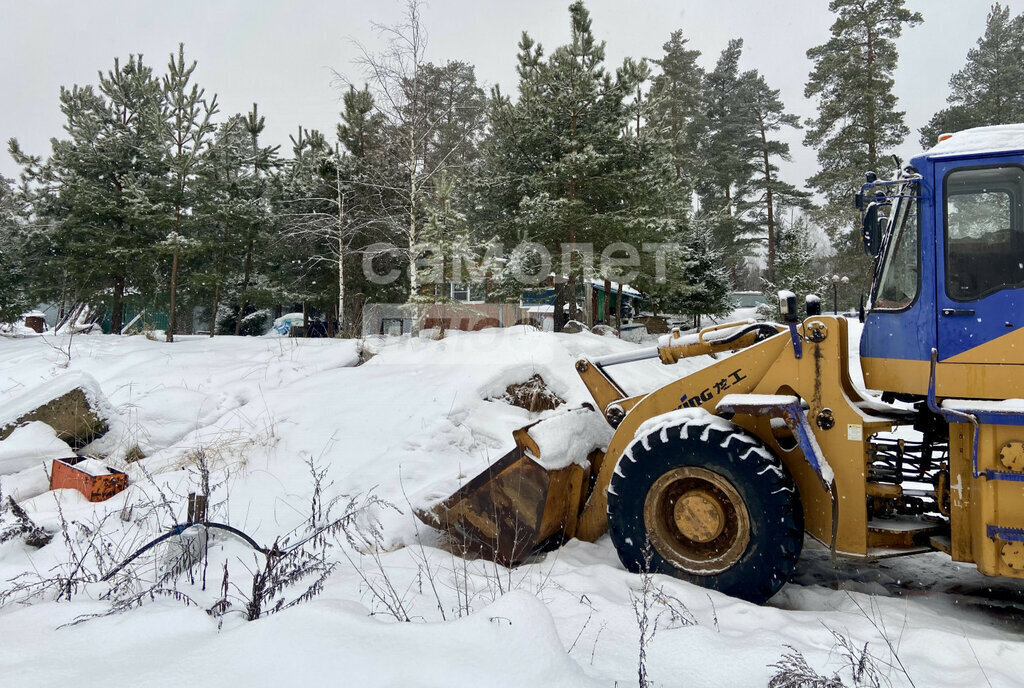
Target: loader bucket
515 507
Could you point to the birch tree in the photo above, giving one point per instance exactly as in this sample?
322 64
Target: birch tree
431 115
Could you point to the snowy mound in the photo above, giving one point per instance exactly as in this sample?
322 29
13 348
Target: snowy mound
29 445
42 393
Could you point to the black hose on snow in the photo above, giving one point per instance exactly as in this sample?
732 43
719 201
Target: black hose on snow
178 530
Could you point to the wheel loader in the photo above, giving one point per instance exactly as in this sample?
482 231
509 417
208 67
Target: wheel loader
715 478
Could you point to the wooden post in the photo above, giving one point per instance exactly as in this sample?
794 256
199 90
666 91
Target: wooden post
618 311
196 508
588 299
606 316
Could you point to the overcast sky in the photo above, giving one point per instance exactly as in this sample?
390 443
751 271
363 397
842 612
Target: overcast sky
281 54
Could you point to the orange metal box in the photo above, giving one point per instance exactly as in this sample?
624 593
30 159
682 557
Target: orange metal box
96 488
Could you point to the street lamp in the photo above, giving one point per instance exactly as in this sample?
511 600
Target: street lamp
836 281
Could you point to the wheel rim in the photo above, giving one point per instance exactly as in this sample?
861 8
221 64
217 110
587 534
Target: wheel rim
696 520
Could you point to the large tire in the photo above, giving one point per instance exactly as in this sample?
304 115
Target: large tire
700 499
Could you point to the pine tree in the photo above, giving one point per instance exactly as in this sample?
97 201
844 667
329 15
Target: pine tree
987 89
29 233
311 221
447 245
858 125
657 149
68 194
455 106
772 193
238 190
675 108
257 191
187 128
365 200
133 95
93 193
562 165
728 159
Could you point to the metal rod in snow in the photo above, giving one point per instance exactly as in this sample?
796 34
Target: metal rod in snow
627 357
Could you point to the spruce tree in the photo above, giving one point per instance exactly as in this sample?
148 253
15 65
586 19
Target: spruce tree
14 299
707 288
796 267
987 89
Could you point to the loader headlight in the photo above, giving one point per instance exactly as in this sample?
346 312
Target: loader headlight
787 307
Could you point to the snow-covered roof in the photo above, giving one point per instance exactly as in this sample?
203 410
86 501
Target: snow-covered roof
993 139
626 289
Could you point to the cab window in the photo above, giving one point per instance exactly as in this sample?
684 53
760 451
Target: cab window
984 231
899 283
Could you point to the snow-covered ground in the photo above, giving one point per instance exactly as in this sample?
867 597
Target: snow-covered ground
419 417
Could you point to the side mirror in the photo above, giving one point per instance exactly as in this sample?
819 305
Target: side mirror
873 228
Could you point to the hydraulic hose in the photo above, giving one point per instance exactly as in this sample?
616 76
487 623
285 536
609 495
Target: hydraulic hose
181 528
178 530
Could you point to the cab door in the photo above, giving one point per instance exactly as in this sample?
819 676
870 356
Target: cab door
980 255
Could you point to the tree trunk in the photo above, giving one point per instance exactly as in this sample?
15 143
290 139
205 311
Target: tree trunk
341 245
117 310
558 316
217 289
305 319
618 310
341 287
216 306
606 316
174 295
357 315
769 201
242 299
414 279
589 307
572 232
